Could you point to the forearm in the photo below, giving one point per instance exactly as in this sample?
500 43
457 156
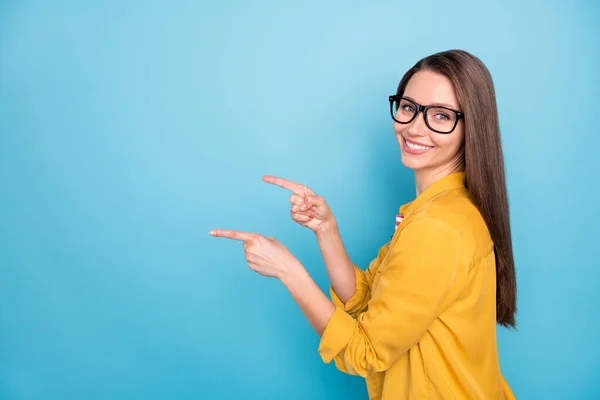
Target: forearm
315 306
337 263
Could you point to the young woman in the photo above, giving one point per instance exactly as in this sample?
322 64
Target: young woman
420 322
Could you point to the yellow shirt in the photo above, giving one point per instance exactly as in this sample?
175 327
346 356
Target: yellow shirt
422 322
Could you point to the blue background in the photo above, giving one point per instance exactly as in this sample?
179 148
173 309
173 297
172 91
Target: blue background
130 129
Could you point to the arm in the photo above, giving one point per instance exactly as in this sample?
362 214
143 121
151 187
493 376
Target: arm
350 286
340 269
315 306
423 268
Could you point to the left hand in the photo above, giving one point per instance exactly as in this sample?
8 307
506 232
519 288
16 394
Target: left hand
265 255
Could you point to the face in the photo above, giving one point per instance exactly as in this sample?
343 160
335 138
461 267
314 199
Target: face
423 149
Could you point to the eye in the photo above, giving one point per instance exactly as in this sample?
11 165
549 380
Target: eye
406 107
441 116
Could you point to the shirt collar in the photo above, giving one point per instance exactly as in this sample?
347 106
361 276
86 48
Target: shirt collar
454 180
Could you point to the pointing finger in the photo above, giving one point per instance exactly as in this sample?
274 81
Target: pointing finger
286 184
232 234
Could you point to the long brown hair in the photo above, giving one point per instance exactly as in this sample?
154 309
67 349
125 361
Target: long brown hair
484 163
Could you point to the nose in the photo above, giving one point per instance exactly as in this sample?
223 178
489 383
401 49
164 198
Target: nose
418 127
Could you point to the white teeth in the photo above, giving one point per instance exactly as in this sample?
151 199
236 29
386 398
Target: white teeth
416 146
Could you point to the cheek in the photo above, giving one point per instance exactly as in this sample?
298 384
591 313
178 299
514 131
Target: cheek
449 143
398 129
399 132
459 137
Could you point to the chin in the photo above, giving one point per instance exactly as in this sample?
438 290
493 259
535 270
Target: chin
412 163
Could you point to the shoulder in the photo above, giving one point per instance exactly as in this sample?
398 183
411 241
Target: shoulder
454 214
427 231
429 248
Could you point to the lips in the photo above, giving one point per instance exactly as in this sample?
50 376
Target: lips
415 148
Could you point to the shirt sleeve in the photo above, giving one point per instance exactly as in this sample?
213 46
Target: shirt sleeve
364 280
423 265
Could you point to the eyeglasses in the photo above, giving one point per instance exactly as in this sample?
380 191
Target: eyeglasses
437 118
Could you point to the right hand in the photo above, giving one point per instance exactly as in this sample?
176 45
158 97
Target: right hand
308 208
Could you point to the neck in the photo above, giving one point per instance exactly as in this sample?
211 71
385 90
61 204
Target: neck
425 178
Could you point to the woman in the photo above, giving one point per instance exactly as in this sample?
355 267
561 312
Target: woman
420 322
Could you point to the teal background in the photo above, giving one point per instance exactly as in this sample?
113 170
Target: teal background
129 129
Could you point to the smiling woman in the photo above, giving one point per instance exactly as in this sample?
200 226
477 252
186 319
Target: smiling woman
420 322
430 143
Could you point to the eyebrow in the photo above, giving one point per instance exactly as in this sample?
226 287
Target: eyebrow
436 104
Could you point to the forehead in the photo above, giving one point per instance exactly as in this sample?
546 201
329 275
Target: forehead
426 87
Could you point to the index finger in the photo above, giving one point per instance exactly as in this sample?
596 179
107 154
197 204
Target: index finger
232 234
284 183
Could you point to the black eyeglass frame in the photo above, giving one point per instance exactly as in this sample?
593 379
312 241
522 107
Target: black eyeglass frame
424 109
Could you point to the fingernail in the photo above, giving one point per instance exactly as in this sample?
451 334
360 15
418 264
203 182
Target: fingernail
213 233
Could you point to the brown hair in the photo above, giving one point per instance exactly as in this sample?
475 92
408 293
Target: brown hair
484 164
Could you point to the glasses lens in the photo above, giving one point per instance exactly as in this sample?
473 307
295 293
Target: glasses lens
440 119
404 110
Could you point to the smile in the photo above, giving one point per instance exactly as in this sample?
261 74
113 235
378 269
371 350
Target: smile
415 148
